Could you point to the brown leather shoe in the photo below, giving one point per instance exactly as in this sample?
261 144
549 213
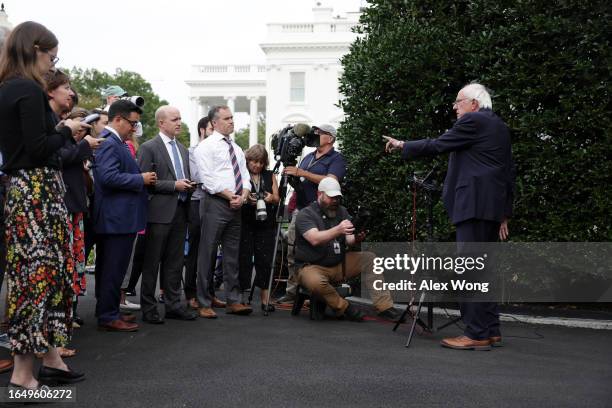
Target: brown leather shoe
238 309
496 341
118 326
218 303
207 313
193 303
465 343
131 318
5 365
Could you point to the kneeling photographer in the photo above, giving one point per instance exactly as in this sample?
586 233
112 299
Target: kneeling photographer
323 231
325 161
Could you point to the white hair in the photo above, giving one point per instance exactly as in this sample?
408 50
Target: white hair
478 93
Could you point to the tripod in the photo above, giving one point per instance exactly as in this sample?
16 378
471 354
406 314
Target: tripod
432 193
280 210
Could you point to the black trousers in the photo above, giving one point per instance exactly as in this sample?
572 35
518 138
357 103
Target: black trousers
481 319
164 251
256 248
191 260
137 262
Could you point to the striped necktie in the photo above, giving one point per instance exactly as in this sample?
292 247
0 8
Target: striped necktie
237 176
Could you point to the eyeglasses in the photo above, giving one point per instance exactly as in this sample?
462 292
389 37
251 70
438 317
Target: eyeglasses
458 101
132 123
54 59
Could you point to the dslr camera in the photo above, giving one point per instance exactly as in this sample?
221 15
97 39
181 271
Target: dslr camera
289 142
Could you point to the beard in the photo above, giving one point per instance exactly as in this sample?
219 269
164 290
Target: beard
331 213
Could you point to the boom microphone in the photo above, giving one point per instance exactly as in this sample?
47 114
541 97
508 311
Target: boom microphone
301 129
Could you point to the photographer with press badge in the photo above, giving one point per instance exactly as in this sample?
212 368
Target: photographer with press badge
258 225
325 161
323 231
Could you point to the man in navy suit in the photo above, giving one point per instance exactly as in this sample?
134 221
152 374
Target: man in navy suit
119 212
477 193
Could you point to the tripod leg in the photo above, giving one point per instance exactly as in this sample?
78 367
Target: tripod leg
416 319
402 317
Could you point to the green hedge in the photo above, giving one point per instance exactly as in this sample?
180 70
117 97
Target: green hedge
548 66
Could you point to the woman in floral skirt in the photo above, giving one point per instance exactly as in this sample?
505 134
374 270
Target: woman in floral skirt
39 260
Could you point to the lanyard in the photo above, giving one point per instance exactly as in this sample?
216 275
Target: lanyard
313 161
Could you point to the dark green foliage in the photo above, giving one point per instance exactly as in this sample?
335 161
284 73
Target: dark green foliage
90 82
548 66
242 136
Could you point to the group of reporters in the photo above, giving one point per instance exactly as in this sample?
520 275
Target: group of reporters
58 160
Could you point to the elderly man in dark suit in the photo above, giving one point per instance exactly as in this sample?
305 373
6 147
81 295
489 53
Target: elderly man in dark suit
167 218
119 212
477 193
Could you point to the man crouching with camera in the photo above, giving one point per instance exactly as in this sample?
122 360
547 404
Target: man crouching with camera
323 231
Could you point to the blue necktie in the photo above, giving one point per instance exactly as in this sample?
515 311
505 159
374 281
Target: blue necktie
177 168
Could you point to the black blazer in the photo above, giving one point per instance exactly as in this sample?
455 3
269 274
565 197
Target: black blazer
163 198
72 156
480 178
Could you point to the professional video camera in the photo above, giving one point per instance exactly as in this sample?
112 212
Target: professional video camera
136 100
289 142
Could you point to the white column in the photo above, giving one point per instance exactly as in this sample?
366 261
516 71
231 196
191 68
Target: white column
193 137
253 126
231 103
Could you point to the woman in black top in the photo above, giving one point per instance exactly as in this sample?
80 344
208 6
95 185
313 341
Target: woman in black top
39 262
257 236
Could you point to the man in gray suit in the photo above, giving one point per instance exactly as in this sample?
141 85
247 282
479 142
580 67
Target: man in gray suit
167 218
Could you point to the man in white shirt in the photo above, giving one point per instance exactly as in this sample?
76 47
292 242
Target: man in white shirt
225 181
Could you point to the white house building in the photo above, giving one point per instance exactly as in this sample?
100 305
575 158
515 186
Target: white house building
297 83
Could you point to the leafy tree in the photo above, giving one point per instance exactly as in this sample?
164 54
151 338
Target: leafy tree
548 64
242 136
89 83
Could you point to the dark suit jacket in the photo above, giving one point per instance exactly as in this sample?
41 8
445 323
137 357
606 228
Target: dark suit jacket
480 177
72 156
163 198
120 199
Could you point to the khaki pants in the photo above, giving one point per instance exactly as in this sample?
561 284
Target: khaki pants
319 280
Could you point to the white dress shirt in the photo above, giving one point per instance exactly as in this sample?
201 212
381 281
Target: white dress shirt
167 141
195 174
215 165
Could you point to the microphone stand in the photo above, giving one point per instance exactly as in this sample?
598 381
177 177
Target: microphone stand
432 191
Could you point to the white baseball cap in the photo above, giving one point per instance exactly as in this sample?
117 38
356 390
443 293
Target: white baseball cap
330 187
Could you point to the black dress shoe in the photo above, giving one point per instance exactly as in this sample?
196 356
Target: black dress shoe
270 308
181 314
391 314
353 314
152 318
52 376
78 320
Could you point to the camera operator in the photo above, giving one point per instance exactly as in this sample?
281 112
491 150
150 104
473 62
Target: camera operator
323 230
314 167
111 94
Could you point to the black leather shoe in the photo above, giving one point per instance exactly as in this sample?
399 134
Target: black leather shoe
152 318
353 314
78 320
51 376
270 308
181 314
392 314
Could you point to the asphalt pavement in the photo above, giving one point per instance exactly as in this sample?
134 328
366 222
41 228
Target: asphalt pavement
286 361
